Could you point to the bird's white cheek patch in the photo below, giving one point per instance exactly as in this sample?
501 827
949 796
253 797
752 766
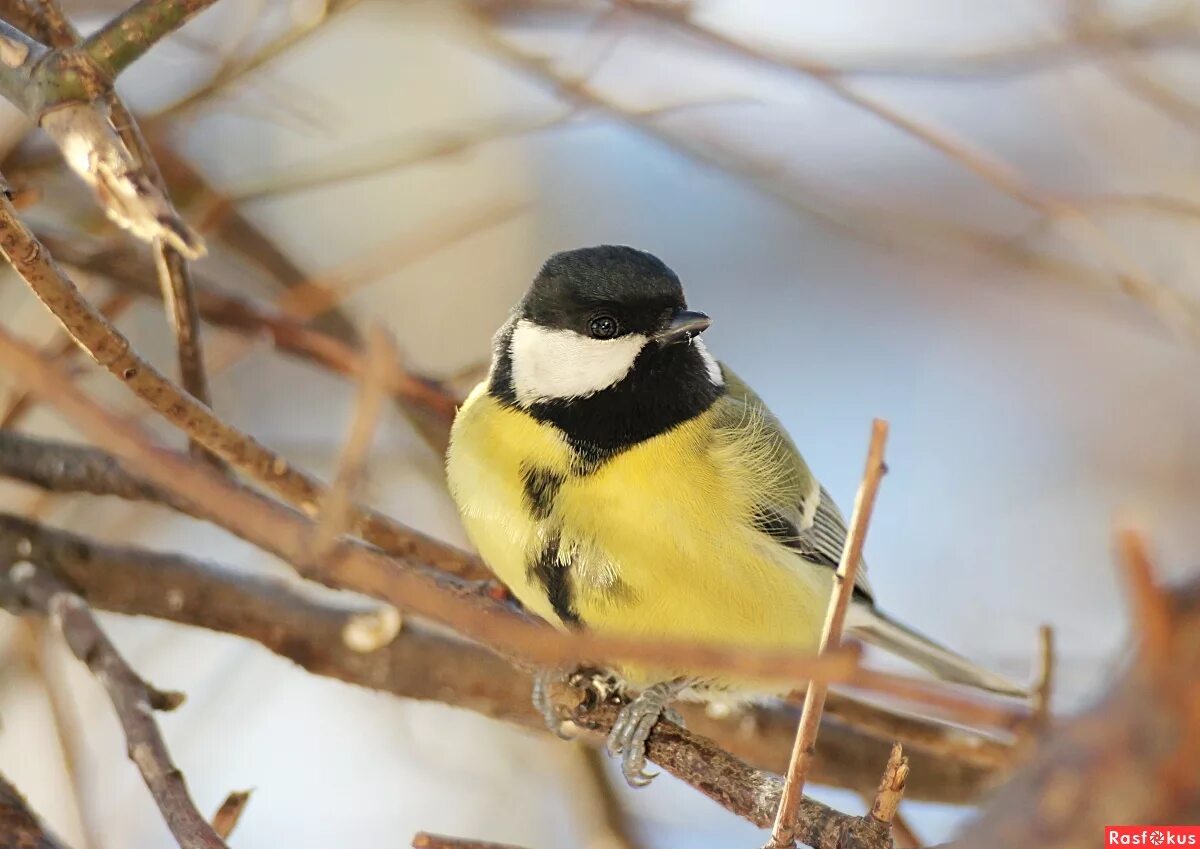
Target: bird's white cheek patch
563 364
710 365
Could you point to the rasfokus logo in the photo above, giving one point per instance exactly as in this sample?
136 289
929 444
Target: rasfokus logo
1152 835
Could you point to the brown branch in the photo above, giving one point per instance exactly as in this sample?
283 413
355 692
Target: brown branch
609 824
242 236
935 738
22 403
66 719
334 514
122 41
170 264
20 827
427 403
750 793
783 833
313 631
1042 690
28 587
109 347
425 840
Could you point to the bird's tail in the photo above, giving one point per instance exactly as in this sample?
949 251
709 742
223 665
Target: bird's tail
880 630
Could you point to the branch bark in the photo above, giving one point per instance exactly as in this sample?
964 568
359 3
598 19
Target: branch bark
170 262
19 825
125 38
23 587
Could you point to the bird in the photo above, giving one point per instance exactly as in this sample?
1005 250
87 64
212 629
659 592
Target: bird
619 479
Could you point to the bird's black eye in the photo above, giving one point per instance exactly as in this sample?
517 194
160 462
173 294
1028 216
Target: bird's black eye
604 327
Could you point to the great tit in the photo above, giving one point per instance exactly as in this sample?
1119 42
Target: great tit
618 478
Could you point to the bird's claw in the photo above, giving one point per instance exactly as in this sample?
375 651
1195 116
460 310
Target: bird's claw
629 734
545 706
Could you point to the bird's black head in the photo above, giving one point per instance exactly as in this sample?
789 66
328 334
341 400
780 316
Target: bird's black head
604 292
603 346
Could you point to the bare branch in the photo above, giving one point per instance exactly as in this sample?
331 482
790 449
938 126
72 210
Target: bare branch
109 347
133 699
783 834
334 514
124 39
428 404
20 826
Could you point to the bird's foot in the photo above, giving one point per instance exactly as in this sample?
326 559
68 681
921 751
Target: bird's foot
545 706
600 687
629 734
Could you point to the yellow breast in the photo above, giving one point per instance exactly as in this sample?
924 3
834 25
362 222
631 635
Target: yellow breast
658 539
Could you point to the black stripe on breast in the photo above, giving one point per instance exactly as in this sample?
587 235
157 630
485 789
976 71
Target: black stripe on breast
555 578
541 487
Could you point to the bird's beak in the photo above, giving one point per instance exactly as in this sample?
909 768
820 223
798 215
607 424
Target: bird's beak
684 325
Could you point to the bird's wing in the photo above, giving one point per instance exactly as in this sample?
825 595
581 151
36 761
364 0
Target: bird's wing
792 506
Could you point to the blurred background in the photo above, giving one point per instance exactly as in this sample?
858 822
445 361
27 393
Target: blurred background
976 220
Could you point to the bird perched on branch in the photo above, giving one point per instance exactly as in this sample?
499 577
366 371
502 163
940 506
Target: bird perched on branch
620 479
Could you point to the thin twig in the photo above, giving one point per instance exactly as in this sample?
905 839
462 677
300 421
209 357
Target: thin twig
133 699
1043 683
334 514
64 713
783 833
111 349
1148 603
919 733
428 404
424 840
22 403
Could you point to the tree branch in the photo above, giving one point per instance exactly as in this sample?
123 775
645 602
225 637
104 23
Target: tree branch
170 263
109 347
125 38
24 586
19 825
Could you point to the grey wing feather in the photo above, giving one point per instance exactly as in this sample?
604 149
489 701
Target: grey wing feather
819 538
827 536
